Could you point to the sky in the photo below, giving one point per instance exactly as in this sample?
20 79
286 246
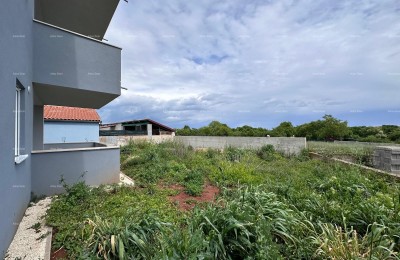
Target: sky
257 63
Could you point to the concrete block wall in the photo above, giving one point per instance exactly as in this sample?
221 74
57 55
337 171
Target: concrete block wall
387 158
287 145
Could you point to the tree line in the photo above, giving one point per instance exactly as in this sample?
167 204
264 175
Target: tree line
328 128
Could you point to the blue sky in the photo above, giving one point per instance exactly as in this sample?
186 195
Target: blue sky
257 62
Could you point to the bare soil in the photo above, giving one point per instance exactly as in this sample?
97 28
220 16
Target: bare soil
186 202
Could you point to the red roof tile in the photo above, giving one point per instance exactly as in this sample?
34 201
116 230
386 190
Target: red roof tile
70 114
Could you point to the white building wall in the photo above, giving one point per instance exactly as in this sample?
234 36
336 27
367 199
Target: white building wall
70 132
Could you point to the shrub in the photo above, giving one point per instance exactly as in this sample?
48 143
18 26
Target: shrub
76 193
233 154
193 183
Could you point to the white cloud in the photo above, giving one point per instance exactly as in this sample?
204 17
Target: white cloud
285 57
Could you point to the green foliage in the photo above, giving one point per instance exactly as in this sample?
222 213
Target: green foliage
36 227
76 193
130 204
336 242
328 129
271 207
267 152
233 154
121 239
216 128
333 128
284 129
193 183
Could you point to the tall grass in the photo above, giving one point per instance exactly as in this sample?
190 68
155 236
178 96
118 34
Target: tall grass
357 152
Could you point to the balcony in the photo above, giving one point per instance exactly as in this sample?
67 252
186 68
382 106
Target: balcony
87 17
70 69
93 163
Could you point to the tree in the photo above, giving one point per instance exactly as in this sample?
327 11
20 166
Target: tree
216 128
186 130
284 129
388 129
333 128
395 136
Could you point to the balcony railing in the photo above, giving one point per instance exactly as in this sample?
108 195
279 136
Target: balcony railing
93 163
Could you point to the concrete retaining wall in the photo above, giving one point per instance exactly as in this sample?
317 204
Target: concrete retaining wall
287 145
322 157
387 158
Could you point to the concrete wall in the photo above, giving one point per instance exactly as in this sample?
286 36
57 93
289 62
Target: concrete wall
16 63
124 140
99 166
72 145
70 132
387 158
287 145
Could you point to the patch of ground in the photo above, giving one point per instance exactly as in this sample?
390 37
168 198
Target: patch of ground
32 240
59 254
186 202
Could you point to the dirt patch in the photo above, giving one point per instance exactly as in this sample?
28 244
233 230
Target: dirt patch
186 202
60 253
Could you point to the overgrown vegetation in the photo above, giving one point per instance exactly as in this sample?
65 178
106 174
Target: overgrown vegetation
270 207
360 153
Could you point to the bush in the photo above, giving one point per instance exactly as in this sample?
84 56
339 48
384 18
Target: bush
266 152
75 194
193 183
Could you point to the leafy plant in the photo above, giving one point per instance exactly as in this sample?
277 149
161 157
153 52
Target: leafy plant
193 183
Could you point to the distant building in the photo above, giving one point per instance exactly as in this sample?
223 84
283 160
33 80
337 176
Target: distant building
70 124
136 127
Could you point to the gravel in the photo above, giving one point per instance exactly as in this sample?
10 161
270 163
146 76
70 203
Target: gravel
33 237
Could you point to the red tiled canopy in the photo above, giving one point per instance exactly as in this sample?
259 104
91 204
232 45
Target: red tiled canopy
70 114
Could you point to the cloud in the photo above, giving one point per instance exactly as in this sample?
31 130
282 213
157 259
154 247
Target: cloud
189 62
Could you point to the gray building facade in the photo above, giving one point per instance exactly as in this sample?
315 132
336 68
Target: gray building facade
51 54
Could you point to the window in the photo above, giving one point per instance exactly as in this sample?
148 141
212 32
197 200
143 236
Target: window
19 157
